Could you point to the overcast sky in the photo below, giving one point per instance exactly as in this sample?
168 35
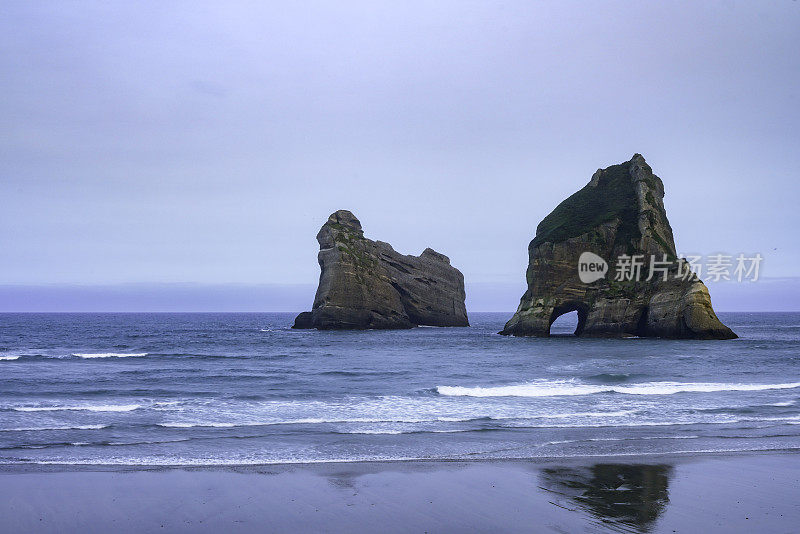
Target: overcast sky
156 142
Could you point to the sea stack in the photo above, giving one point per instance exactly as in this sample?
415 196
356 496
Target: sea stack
618 215
367 284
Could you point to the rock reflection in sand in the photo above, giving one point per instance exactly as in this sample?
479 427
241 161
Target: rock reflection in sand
627 498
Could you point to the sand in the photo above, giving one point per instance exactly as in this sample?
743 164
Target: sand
736 493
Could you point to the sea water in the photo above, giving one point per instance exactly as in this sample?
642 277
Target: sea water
230 389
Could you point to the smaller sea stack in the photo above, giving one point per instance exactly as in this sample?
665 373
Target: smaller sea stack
367 284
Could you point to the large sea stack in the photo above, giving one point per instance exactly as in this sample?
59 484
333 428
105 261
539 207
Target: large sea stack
366 284
618 214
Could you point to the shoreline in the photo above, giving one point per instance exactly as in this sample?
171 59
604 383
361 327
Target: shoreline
632 458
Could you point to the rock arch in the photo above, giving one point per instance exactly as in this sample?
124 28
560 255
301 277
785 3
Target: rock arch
568 307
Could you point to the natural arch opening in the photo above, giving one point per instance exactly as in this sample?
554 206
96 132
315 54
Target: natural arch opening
568 320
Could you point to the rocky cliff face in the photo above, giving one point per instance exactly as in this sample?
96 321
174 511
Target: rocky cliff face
620 212
366 284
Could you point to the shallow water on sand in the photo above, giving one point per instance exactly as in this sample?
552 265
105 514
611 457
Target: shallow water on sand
197 389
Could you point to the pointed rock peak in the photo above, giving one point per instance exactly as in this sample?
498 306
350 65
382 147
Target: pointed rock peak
638 163
345 220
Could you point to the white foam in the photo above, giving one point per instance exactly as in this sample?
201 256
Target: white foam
387 432
555 388
97 408
46 428
8 358
637 424
181 461
787 403
787 419
632 438
315 421
620 413
392 432
108 354
192 425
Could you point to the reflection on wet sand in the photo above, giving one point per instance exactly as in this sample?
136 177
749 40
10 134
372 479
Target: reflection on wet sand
627 498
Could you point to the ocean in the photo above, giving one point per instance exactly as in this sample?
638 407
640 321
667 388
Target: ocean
245 389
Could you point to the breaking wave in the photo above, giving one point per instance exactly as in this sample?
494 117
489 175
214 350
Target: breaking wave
319 421
556 388
47 428
88 408
108 354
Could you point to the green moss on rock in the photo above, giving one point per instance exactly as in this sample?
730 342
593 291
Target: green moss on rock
613 197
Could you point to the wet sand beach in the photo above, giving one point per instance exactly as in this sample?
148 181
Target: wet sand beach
733 493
